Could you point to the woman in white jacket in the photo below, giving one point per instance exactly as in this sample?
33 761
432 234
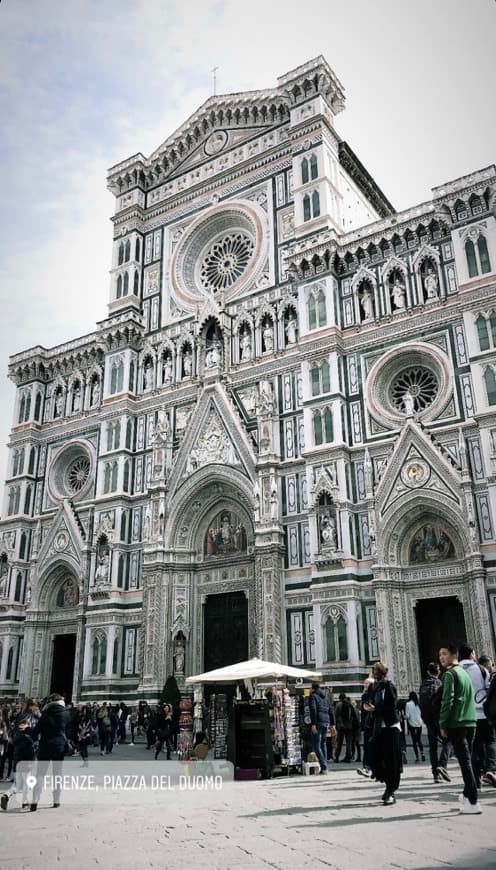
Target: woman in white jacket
414 722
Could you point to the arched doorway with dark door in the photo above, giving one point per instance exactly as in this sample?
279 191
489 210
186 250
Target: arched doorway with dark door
439 621
225 630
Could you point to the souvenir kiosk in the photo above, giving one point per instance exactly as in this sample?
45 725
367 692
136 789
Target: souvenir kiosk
260 731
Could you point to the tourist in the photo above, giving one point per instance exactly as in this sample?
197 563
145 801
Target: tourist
23 751
104 729
414 721
133 724
84 736
484 747
386 765
164 732
322 720
51 728
367 726
429 690
457 721
345 715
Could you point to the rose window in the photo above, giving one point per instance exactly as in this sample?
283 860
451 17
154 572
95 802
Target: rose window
226 261
416 384
78 473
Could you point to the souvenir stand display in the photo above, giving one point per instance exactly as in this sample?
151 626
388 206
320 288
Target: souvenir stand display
218 725
287 738
185 736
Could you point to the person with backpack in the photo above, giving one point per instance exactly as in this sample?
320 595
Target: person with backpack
322 718
457 720
386 763
429 702
344 725
104 729
414 721
484 748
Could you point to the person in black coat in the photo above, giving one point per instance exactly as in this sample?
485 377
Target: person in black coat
322 718
386 759
51 731
23 749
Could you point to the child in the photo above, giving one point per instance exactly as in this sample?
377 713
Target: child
23 751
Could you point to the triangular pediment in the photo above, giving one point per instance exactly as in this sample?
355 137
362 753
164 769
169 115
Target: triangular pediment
417 467
215 436
65 537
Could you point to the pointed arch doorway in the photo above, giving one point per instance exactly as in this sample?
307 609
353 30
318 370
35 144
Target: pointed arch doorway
439 621
225 630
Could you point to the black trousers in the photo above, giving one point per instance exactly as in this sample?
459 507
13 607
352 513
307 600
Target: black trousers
462 740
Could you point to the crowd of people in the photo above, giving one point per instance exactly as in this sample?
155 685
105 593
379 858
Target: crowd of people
452 707
451 704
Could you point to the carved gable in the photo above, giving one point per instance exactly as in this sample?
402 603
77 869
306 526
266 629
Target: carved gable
65 537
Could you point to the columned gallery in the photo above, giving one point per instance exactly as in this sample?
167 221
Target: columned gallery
281 441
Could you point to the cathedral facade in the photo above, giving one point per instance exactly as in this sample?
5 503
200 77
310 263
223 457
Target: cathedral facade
281 441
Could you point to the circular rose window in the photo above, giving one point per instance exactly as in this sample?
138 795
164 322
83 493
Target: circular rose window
223 250
71 471
412 379
416 382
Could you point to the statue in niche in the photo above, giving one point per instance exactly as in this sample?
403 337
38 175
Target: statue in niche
367 305
76 398
291 329
328 535
148 375
187 364
398 295
167 370
59 404
431 544
95 393
4 576
179 653
102 569
266 400
431 284
274 498
213 355
245 345
409 404
268 337
226 535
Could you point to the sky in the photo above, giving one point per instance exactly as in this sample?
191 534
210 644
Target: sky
85 84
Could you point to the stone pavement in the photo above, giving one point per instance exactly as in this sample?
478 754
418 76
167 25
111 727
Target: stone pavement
334 821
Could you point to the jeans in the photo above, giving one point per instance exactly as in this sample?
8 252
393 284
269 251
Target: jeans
42 768
344 734
416 735
319 743
484 749
434 737
462 740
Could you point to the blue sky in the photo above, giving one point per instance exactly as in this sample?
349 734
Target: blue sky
83 85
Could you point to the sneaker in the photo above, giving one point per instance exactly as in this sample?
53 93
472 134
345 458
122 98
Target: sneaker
437 778
55 806
4 800
389 800
443 773
489 778
324 770
470 809
131 744
363 771
33 808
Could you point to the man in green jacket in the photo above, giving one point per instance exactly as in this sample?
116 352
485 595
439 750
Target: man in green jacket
457 721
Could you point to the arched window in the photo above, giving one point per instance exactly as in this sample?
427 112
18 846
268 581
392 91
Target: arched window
321 308
120 571
137 250
115 469
119 287
124 519
483 254
117 435
16 499
471 258
316 203
328 425
336 638
120 258
125 285
313 167
482 332
32 460
131 376
492 321
18 587
127 251
304 171
103 655
110 436
129 434
125 484
490 380
136 282
37 406
115 656
326 381
22 546
320 378
22 409
315 377
116 376
307 214
106 477
317 428
312 311
28 407
10 662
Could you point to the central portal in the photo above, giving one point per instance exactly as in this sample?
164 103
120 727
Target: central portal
439 621
64 655
225 630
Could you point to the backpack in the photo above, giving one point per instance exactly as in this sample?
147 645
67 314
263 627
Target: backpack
489 705
106 722
427 693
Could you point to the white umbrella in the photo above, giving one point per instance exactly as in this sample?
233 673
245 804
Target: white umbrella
253 669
